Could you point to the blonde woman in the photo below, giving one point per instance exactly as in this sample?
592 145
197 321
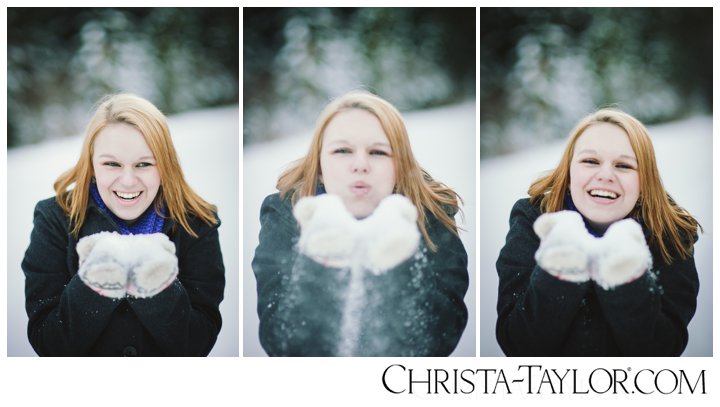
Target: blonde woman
359 252
599 259
125 259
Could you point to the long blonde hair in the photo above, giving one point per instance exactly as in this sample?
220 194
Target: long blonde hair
174 192
665 219
303 176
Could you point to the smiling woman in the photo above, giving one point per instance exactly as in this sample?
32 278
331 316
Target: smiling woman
604 182
126 176
125 259
599 259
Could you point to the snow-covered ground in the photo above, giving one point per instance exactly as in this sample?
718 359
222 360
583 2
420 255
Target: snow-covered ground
684 156
444 143
207 143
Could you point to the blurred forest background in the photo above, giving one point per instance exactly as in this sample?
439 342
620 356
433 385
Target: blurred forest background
543 69
295 60
61 61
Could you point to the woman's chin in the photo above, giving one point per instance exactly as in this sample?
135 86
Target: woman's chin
128 214
360 211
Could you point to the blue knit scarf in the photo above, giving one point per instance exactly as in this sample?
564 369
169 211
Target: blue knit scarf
149 222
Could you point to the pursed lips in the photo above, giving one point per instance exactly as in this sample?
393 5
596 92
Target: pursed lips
360 188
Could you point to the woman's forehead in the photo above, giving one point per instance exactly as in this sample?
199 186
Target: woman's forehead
355 125
604 137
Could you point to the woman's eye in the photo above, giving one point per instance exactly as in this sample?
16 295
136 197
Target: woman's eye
342 151
624 166
143 165
111 164
589 161
379 152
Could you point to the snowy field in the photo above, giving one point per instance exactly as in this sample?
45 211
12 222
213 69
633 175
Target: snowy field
684 156
443 141
207 143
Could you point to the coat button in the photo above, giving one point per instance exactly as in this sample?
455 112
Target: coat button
130 351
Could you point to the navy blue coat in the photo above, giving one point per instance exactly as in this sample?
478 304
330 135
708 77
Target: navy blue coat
414 309
540 315
66 318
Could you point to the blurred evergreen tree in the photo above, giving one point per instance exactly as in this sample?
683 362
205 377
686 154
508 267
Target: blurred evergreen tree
296 59
62 60
542 69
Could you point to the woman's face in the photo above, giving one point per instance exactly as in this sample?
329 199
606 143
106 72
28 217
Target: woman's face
356 161
127 177
604 182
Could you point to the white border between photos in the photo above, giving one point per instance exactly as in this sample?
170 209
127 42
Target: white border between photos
229 381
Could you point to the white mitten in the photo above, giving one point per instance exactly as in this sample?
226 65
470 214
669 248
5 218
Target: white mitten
622 255
565 245
328 231
390 234
154 265
102 264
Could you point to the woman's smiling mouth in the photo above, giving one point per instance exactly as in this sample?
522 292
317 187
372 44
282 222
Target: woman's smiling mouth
603 194
127 196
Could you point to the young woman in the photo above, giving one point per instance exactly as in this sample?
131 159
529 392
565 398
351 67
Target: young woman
599 259
125 259
360 190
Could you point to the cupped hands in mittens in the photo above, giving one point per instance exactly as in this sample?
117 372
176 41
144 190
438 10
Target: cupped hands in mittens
155 266
565 245
115 265
328 230
331 236
390 235
568 252
103 264
622 255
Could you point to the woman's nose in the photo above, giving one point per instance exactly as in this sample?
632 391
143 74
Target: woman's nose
605 172
128 177
360 163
